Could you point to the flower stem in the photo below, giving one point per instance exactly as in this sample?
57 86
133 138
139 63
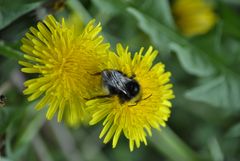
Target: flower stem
77 7
170 145
10 52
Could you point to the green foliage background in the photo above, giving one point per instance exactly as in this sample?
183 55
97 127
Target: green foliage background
205 120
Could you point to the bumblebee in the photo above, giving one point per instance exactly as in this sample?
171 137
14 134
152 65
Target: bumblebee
119 84
2 100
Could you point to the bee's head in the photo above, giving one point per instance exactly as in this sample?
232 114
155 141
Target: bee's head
133 88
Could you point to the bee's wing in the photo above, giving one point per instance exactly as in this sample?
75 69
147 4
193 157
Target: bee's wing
116 80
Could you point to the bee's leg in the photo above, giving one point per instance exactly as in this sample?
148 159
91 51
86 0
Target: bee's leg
133 76
134 104
95 74
147 97
98 97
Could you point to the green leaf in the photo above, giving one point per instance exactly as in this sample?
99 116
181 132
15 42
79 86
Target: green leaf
215 149
160 10
109 7
11 11
165 13
221 91
30 131
26 135
41 149
154 30
194 60
234 131
213 37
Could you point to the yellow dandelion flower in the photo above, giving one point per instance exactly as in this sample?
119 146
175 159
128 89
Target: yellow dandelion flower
62 60
193 17
132 116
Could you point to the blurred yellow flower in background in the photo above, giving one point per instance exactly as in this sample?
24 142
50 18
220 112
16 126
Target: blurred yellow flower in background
62 59
136 117
75 20
193 17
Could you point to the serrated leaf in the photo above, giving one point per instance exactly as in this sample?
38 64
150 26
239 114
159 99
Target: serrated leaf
193 59
161 10
11 11
222 91
193 62
154 30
